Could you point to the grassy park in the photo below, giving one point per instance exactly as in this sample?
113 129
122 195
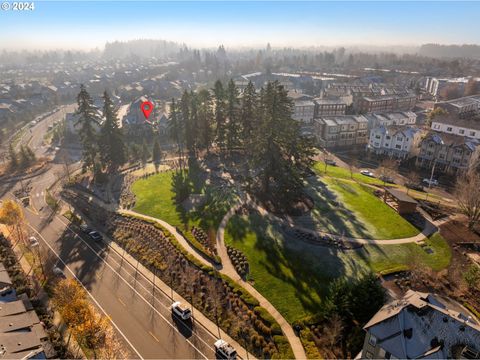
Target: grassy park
294 275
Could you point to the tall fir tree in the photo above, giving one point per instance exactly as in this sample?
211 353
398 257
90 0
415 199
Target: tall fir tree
176 130
112 144
281 154
248 117
186 123
205 117
220 114
233 122
145 154
191 129
87 121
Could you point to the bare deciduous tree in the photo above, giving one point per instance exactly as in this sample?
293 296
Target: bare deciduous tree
467 192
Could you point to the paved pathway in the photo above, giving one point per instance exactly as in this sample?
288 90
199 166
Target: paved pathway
229 270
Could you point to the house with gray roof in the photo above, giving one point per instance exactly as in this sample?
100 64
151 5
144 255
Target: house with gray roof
395 141
422 326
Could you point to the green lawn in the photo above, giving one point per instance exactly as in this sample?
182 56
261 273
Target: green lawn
390 258
348 208
155 197
294 275
342 173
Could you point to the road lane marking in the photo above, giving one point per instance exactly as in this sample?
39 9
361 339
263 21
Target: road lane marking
88 292
154 336
140 295
121 302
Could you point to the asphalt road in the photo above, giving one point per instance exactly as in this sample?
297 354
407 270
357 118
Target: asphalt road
140 314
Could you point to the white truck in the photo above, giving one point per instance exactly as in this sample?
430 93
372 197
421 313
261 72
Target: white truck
224 350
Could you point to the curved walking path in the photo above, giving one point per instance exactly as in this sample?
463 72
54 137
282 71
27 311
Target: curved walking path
229 270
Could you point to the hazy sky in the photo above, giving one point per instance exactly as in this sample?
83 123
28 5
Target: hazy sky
89 24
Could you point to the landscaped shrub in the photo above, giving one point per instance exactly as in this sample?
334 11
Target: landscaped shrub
239 261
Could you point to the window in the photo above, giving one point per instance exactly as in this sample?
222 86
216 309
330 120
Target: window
449 128
461 131
398 147
377 137
387 137
472 133
372 340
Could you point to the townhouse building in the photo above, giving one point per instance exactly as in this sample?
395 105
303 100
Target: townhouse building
457 126
385 103
393 118
395 141
338 131
449 153
330 107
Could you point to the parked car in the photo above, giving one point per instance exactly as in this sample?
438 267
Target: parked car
331 162
224 350
367 173
85 229
180 311
58 272
33 241
95 235
430 182
387 179
414 186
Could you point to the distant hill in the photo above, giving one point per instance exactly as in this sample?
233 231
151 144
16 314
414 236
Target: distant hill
450 51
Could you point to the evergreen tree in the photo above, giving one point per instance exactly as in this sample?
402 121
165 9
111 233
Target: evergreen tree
87 120
175 129
233 126
205 117
13 157
24 157
220 114
185 106
281 154
191 128
156 154
248 116
112 145
145 153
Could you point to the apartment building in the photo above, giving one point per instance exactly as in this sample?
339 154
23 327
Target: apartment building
422 326
394 118
304 111
397 141
330 107
436 86
464 107
454 125
447 152
338 131
384 103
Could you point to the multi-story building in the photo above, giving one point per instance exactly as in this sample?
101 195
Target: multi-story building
447 152
422 326
454 125
330 107
436 86
384 103
464 107
388 119
398 141
338 131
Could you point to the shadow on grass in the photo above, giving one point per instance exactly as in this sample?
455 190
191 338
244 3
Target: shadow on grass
307 268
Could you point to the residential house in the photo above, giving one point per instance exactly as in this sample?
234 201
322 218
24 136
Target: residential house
447 152
454 125
398 141
338 131
422 326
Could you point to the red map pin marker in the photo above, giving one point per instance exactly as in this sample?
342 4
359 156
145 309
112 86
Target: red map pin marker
147 108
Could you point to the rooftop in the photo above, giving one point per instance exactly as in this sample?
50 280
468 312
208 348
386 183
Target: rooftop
424 325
